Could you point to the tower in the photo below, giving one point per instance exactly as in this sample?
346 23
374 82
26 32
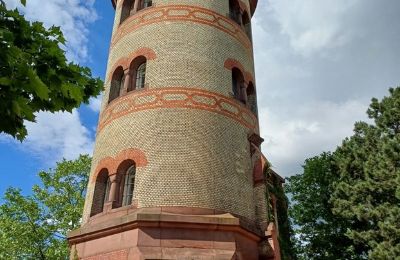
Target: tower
177 171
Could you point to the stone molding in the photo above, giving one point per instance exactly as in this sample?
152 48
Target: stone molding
156 218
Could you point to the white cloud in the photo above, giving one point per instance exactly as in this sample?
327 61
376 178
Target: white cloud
310 130
73 16
312 25
95 104
318 64
58 135
54 136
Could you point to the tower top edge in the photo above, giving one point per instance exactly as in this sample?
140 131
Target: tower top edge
253 5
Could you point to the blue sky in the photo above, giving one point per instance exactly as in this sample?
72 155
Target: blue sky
318 64
20 164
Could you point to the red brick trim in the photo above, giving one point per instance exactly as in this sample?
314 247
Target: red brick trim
258 172
189 98
232 63
173 13
253 5
125 62
112 163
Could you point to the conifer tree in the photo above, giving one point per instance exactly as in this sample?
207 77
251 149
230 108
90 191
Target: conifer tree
368 190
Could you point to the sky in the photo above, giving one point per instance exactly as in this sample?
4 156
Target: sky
318 64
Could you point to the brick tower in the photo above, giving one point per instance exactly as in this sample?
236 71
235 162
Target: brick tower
177 171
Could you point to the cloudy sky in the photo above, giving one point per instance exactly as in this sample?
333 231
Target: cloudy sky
318 64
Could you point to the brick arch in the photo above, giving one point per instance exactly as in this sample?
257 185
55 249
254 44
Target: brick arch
232 63
111 164
125 62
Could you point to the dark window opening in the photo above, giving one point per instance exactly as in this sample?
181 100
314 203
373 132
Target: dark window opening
129 185
234 11
100 193
144 4
252 98
137 73
127 9
238 86
117 83
247 24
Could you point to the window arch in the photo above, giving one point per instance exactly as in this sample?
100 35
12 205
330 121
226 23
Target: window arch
126 174
138 73
246 24
238 85
101 191
117 82
127 9
252 98
129 185
234 11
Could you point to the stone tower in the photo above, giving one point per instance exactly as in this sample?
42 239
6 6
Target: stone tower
177 171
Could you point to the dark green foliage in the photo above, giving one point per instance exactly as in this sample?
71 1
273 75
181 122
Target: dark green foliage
368 190
35 226
35 74
320 234
346 205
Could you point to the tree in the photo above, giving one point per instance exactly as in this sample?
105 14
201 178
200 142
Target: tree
346 205
35 74
35 226
368 189
319 234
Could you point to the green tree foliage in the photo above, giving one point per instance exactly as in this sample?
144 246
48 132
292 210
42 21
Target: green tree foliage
319 233
35 226
35 74
346 205
368 190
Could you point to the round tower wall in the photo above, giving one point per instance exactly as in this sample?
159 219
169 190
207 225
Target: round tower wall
191 130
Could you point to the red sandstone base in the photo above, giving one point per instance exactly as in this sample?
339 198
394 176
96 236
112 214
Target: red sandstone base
155 234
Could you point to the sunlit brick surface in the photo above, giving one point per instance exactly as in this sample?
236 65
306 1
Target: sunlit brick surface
195 141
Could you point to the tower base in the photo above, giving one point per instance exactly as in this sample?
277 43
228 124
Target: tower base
164 233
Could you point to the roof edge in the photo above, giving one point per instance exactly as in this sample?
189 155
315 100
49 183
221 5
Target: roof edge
253 6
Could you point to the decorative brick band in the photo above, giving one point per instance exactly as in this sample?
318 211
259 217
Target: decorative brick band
178 97
253 5
189 13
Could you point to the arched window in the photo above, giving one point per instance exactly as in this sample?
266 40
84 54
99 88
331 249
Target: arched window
238 85
251 98
101 190
129 184
127 9
140 76
144 4
138 73
117 82
246 24
234 11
